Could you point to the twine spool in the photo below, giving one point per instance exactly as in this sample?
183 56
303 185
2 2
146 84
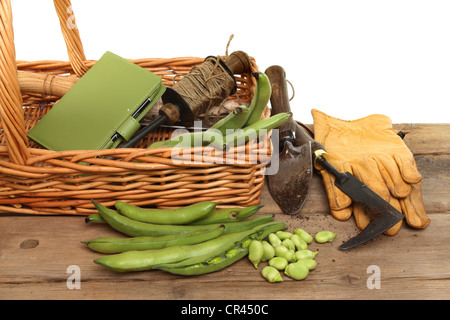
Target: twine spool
206 85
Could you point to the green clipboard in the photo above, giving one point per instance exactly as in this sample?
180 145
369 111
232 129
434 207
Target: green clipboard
102 109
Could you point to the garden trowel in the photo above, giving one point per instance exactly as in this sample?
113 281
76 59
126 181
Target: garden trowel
300 153
289 186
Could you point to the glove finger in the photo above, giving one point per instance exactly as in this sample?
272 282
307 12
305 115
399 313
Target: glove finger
369 174
408 168
414 209
391 175
362 218
337 199
396 228
343 214
367 171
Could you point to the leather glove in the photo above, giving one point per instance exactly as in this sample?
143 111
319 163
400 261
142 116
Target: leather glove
372 151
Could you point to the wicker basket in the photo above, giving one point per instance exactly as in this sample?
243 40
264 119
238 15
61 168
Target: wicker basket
39 181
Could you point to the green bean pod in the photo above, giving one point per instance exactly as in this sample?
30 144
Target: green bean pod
197 266
237 119
176 216
228 215
117 245
203 268
149 259
233 121
241 136
134 228
94 218
261 97
257 233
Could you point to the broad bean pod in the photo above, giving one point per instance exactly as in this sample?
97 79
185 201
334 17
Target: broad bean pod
214 138
236 119
203 268
136 228
257 233
263 91
228 215
94 218
176 216
233 121
242 136
198 265
117 245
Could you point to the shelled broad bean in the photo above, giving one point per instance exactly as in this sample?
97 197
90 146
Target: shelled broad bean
289 253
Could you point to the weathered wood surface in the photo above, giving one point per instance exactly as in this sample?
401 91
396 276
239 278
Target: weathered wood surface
35 252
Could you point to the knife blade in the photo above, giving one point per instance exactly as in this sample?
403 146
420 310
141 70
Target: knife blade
384 215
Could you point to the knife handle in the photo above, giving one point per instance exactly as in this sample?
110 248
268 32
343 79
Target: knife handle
279 100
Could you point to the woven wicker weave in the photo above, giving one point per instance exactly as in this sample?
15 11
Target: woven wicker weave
38 181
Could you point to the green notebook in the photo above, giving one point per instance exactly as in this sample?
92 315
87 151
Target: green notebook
102 109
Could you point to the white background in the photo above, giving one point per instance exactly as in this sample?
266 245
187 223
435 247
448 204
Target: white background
346 58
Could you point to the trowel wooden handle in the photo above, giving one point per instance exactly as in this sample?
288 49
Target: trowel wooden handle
279 101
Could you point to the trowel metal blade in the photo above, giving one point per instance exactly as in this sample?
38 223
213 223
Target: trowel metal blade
289 186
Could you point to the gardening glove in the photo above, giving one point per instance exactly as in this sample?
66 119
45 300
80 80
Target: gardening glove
373 152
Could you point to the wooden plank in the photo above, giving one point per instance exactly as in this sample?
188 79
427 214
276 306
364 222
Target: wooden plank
423 138
413 265
426 138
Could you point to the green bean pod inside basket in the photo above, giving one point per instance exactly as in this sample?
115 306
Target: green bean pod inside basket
34 180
